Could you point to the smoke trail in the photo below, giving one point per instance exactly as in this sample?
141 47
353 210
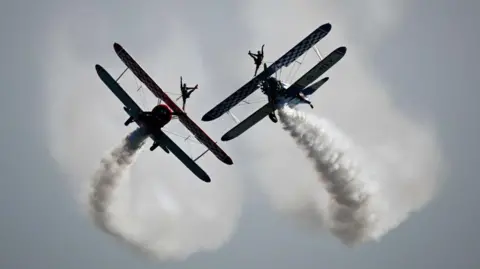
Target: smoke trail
112 169
352 210
166 230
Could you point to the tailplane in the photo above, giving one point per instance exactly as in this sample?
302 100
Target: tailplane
314 87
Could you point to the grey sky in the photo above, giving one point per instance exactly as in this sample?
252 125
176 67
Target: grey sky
425 59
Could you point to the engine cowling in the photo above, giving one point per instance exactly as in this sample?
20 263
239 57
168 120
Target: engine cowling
162 112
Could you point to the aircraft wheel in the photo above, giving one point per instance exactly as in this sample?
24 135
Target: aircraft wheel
273 118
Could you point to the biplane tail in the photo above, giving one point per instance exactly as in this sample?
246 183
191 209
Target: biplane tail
314 87
307 92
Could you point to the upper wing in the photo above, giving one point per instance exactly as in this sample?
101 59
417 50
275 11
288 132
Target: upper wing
163 139
159 93
252 85
205 139
133 108
144 77
319 69
247 123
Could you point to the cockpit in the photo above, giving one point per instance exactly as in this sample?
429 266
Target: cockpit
272 84
285 85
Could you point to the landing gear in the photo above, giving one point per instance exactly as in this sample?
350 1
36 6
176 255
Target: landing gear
130 120
154 146
273 117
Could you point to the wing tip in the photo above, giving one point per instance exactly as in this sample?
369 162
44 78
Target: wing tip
117 47
228 161
206 179
327 27
226 137
207 117
99 68
101 72
342 50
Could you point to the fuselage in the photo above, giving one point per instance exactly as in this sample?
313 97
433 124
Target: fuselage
292 101
160 116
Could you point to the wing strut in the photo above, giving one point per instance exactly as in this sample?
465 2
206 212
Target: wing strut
318 52
121 74
233 116
203 153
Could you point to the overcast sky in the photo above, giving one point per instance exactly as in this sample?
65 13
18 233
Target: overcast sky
409 76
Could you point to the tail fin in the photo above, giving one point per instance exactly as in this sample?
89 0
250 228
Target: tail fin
314 87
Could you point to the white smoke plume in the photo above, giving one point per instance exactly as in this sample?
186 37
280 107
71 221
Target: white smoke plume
357 209
113 169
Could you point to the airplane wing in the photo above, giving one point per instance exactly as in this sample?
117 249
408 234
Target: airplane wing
133 109
283 61
161 138
159 93
247 123
319 69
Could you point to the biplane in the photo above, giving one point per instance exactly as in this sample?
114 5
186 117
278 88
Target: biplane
280 93
153 121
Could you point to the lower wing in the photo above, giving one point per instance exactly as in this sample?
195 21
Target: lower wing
161 138
247 123
133 109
